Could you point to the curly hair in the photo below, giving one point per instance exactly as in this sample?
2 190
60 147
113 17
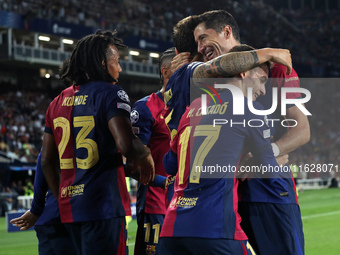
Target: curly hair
88 61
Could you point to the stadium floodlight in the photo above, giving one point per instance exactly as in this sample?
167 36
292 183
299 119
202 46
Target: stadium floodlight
134 53
44 38
67 41
47 76
154 55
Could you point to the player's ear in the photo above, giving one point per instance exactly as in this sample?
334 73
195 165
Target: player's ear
243 74
176 51
227 31
165 71
103 63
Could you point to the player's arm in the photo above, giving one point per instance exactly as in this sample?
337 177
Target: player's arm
25 221
233 63
258 140
295 136
131 147
170 162
49 163
159 180
30 217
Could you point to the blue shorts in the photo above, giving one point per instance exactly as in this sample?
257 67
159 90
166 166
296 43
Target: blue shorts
203 246
99 237
148 230
54 240
273 228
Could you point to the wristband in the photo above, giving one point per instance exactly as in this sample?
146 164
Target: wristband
158 181
276 149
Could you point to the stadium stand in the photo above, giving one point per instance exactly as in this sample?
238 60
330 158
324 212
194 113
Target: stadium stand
310 32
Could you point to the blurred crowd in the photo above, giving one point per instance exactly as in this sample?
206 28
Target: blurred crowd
311 35
324 145
22 117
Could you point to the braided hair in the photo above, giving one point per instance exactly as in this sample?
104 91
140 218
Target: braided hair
88 61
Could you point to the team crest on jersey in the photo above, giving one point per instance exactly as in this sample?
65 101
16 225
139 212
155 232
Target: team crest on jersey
63 192
150 249
122 95
134 116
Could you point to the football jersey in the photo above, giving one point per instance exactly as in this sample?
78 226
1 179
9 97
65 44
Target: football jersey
278 190
147 118
44 205
177 94
92 183
205 203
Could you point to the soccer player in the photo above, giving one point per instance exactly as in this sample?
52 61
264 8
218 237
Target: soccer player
51 233
177 92
147 118
202 217
216 34
87 129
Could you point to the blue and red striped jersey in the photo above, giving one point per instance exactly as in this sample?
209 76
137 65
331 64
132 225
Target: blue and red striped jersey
205 200
177 94
93 183
277 190
147 118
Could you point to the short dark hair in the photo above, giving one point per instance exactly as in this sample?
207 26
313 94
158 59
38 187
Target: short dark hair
168 54
218 19
246 47
183 35
86 61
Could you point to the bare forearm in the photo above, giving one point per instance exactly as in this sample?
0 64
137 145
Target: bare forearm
233 63
295 136
228 65
52 176
293 139
128 144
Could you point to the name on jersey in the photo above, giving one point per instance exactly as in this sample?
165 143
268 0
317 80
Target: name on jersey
75 100
72 191
212 109
184 202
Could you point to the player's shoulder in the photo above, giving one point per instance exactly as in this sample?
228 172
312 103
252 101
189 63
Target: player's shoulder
187 68
140 110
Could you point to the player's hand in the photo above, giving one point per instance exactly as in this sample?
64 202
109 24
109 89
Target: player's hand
147 169
180 60
282 160
170 179
25 221
283 57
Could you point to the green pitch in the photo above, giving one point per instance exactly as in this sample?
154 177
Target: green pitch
320 213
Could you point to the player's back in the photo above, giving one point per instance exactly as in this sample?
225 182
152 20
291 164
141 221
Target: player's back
92 174
201 195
